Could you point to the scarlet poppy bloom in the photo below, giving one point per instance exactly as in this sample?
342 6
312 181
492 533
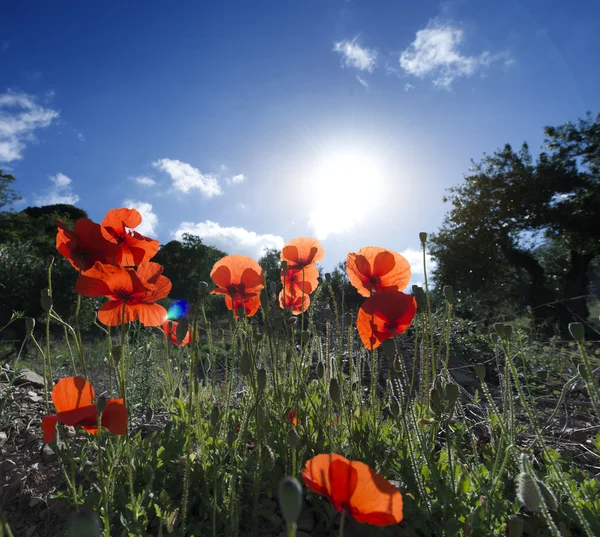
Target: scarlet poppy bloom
85 245
251 305
302 251
296 303
376 269
291 417
384 315
302 280
170 330
128 290
132 247
237 276
354 487
72 397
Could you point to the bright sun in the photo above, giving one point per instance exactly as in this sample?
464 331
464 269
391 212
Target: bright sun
348 185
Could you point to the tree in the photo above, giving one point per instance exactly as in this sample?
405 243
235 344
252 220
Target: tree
7 195
509 212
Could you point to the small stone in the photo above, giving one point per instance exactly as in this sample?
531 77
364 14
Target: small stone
462 379
47 454
7 465
3 438
34 397
29 377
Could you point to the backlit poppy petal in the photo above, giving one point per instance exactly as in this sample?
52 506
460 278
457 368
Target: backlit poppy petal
301 280
343 479
111 313
316 473
296 303
104 280
221 275
86 415
115 416
302 251
49 428
170 330
147 314
117 221
376 269
240 278
71 393
251 305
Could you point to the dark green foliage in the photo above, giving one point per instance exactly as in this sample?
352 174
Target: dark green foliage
7 195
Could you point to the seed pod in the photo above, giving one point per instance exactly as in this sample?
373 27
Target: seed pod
508 331
245 364
449 293
46 300
395 407
268 458
214 416
436 401
348 318
320 370
577 331
202 288
334 391
101 403
420 297
181 330
293 438
29 324
499 328
423 237
452 394
292 320
261 377
290 500
480 371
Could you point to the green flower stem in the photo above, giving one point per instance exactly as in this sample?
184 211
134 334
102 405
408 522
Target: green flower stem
589 381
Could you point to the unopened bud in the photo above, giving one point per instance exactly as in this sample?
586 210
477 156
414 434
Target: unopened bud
420 297
290 500
268 458
348 318
452 393
577 331
423 237
46 300
214 416
480 371
395 407
528 493
515 526
449 293
327 277
231 438
293 438
292 320
436 401
101 403
334 391
202 289
320 370
245 364
261 377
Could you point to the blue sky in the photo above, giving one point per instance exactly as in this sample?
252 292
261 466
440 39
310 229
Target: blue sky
251 123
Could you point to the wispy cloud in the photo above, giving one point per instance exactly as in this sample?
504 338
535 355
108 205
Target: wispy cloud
237 179
144 180
415 258
60 191
408 87
435 54
355 56
362 82
80 136
149 223
186 178
20 117
230 239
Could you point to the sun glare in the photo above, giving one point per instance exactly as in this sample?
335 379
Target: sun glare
348 184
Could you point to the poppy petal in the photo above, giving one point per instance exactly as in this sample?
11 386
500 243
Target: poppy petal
49 428
344 479
71 393
115 416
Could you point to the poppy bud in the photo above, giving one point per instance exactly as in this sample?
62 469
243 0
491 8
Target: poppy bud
395 407
423 237
452 393
436 401
449 293
261 377
388 347
245 364
508 331
334 391
420 297
327 277
577 331
515 526
268 458
214 416
320 370
84 523
29 324
293 438
292 320
499 328
348 318
231 438
304 336
290 500
240 311
258 337
480 371
528 493
181 330
202 289
101 403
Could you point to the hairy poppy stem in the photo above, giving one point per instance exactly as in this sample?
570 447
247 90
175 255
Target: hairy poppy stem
342 522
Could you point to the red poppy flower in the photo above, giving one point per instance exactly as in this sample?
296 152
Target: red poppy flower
303 280
238 277
297 304
251 305
302 251
132 247
170 330
72 397
85 245
126 288
384 315
354 487
291 417
376 269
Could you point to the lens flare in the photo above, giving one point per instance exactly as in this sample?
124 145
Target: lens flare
177 310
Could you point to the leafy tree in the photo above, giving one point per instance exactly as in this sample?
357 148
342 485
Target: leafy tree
7 195
508 212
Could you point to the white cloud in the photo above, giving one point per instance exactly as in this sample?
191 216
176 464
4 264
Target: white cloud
408 87
186 178
362 82
80 136
434 53
60 192
353 55
20 117
146 181
415 258
237 179
149 218
233 240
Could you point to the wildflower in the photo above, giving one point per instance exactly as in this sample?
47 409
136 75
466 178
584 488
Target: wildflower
170 330
297 304
239 278
85 245
298 281
72 397
301 252
354 487
132 247
291 417
132 294
383 316
376 269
